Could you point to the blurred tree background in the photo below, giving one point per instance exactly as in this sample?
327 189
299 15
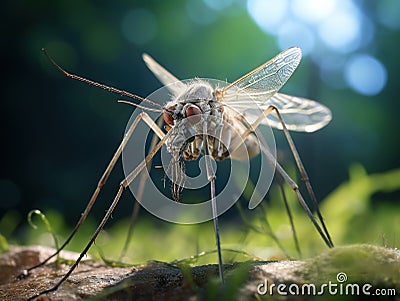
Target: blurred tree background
57 135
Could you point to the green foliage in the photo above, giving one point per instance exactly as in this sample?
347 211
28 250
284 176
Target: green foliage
4 247
351 215
360 262
44 220
234 281
265 233
8 223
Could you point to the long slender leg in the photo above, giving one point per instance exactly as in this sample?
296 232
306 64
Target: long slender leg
133 218
250 128
125 183
304 174
211 179
216 228
136 207
92 239
100 184
294 186
289 213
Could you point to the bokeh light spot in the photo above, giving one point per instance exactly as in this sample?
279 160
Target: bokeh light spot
139 26
365 74
296 34
341 31
313 11
388 12
268 14
218 4
200 13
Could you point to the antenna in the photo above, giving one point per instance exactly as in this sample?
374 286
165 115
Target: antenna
105 87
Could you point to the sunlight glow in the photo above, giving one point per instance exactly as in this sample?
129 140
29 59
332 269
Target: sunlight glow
331 30
341 31
338 25
268 14
313 11
365 74
296 34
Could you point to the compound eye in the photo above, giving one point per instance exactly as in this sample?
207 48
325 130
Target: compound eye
194 112
168 118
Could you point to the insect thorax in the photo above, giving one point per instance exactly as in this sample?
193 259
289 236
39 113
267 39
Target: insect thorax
197 115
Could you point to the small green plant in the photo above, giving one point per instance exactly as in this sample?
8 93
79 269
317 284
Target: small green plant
44 220
4 247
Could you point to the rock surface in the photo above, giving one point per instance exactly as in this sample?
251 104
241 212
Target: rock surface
360 264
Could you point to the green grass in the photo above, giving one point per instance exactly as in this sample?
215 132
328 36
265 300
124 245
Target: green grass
349 213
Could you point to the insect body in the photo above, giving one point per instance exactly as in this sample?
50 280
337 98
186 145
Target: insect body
226 115
198 120
218 122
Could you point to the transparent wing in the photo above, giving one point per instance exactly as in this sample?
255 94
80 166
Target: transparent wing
166 78
268 78
299 114
257 90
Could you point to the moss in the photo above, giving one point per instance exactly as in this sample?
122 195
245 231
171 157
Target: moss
361 263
